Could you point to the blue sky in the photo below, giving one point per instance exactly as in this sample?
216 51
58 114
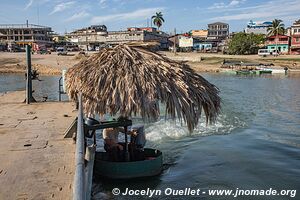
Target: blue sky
185 15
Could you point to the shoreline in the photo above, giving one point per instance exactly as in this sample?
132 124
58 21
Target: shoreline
52 64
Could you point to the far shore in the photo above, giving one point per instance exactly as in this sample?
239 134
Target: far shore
52 64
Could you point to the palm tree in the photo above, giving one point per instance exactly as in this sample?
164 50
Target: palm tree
158 19
276 28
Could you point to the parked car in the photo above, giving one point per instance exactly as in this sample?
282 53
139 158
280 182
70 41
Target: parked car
263 52
61 51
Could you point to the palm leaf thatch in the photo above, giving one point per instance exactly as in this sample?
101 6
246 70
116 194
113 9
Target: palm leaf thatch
132 80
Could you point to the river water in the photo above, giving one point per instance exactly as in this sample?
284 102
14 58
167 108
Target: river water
255 143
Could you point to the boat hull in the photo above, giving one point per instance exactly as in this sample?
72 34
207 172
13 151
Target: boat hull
152 166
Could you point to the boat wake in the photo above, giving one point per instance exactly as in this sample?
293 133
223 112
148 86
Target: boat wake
169 129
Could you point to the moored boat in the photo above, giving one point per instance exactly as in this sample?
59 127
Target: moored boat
243 72
268 71
151 166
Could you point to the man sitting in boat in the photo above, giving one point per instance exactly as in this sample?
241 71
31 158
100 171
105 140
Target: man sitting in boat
111 142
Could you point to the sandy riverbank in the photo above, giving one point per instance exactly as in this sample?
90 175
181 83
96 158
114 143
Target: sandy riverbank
211 62
200 62
50 64
36 162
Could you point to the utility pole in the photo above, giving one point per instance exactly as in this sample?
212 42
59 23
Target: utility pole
174 46
29 97
86 39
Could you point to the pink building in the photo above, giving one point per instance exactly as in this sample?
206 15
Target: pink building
278 43
295 38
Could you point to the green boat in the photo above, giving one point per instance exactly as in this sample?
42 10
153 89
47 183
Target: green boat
243 72
138 161
151 166
264 71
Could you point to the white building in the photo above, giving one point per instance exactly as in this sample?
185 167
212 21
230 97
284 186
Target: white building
185 42
95 36
258 27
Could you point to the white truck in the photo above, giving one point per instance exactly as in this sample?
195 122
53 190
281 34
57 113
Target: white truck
266 52
263 52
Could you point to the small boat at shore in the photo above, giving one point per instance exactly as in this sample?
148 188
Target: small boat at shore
243 72
152 165
254 72
264 71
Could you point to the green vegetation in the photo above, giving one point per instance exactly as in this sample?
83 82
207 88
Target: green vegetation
243 43
158 19
276 28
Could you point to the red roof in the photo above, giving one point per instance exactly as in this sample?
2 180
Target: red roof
279 36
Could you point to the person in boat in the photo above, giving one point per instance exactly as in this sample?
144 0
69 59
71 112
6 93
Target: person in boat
112 145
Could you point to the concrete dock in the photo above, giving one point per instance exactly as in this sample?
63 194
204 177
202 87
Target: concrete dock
36 162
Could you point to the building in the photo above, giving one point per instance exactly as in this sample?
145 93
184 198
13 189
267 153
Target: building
280 43
295 38
185 43
258 27
218 31
19 35
96 36
202 34
202 46
148 29
58 38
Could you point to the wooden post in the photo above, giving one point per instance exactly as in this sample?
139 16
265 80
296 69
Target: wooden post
28 79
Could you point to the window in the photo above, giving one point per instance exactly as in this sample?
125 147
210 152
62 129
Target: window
297 39
282 39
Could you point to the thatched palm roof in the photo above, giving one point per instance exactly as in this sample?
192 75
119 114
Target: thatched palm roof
132 81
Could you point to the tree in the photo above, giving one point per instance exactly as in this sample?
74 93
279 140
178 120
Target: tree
158 19
276 28
243 43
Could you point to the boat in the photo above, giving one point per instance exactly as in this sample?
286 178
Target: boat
228 71
137 162
243 72
151 166
278 71
264 70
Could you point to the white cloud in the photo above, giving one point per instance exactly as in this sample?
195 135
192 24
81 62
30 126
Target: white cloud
234 3
102 3
222 5
62 6
77 16
30 2
137 14
39 2
281 9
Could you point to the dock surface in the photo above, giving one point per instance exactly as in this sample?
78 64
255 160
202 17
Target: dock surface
36 162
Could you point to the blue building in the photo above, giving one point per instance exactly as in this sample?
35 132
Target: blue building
202 46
